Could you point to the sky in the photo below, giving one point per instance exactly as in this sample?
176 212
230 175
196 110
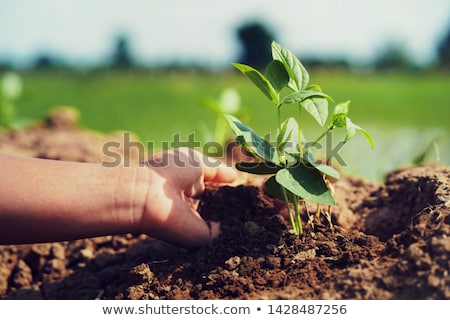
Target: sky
82 31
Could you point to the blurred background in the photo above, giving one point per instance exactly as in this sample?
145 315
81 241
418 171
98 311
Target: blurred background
158 68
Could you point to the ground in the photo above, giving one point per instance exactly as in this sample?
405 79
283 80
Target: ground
386 241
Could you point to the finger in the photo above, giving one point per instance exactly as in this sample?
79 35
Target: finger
214 228
192 231
219 173
213 169
195 190
193 203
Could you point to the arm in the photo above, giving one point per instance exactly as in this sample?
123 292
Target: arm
46 200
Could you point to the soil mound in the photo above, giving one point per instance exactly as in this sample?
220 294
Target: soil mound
388 241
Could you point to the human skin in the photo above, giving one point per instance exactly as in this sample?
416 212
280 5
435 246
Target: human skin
50 200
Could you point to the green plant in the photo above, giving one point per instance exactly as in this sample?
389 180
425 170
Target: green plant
296 175
10 91
229 102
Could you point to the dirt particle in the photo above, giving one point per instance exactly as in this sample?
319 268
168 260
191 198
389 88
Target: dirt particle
63 118
433 281
37 256
58 251
232 263
141 273
272 262
441 244
305 255
253 228
135 292
22 276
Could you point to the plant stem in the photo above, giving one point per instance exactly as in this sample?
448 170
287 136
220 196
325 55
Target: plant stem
279 116
319 138
298 221
300 145
282 159
281 154
291 215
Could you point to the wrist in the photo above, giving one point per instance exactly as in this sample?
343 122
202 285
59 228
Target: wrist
130 196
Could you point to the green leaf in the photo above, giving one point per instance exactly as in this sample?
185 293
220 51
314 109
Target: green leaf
351 129
274 189
339 116
317 107
306 183
259 80
297 97
342 107
291 157
282 134
327 170
288 136
314 87
339 120
258 167
277 75
298 76
260 147
366 135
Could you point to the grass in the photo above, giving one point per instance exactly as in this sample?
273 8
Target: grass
403 111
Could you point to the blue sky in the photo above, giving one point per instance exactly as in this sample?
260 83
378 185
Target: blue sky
82 31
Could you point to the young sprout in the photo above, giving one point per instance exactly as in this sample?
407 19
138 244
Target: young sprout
10 90
229 102
296 175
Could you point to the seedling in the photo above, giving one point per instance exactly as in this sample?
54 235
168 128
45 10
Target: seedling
229 102
295 174
10 91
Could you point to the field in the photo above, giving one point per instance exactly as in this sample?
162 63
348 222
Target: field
405 112
385 239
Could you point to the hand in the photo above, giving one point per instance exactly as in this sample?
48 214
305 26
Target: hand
176 182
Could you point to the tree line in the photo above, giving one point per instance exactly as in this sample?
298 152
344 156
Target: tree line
254 41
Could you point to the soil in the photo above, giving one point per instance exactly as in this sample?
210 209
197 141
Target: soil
384 241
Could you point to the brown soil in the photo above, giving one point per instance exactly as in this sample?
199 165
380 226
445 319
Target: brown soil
387 241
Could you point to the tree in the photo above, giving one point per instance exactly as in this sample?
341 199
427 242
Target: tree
443 51
255 40
121 55
44 61
394 56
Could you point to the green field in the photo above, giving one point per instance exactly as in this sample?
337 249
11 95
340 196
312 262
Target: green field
404 112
